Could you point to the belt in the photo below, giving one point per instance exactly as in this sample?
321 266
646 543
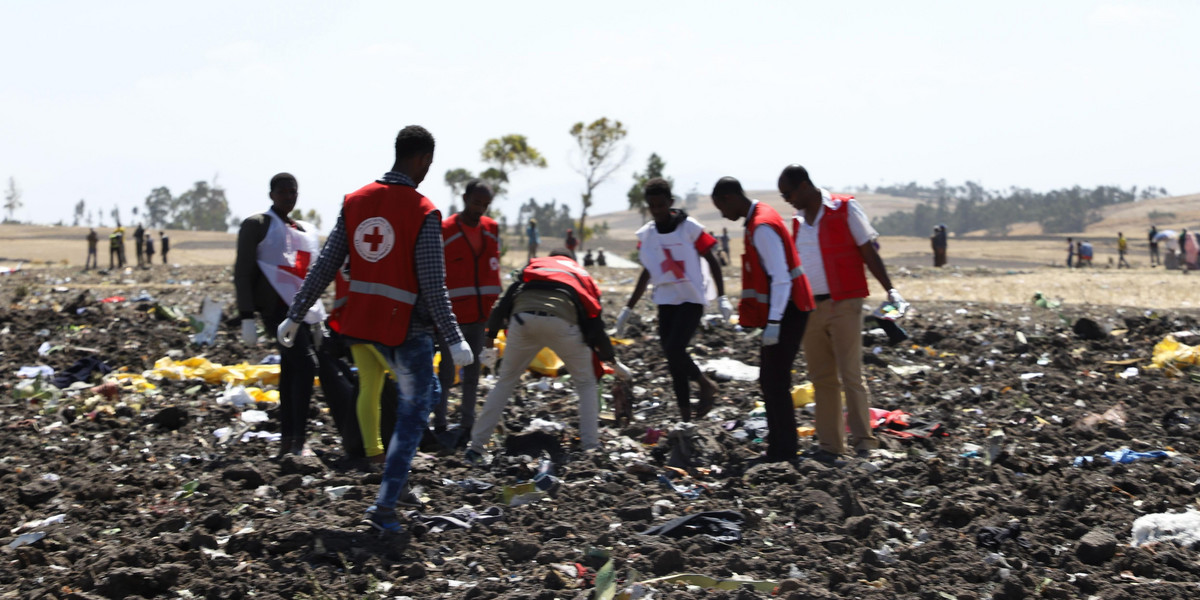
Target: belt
821 297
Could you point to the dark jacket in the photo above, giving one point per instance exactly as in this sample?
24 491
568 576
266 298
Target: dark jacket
254 292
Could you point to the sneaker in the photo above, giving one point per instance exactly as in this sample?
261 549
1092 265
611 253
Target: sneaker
383 520
474 458
411 497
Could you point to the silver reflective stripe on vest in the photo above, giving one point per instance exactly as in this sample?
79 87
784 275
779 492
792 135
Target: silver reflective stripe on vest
764 298
340 302
794 273
491 235
380 289
451 239
471 291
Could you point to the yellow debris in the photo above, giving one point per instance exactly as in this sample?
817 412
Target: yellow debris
1170 354
201 368
802 395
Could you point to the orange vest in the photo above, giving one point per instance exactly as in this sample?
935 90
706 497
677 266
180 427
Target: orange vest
472 277
562 270
844 267
755 306
382 222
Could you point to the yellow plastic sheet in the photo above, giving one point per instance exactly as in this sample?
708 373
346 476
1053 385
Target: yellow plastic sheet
1170 354
210 372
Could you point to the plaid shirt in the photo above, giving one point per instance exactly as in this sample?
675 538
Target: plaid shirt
433 305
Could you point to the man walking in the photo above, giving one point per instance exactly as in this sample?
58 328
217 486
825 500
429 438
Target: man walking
471 241
92 241
531 235
938 240
671 248
116 246
273 255
165 245
1122 248
833 238
557 305
776 297
1155 260
1070 252
395 299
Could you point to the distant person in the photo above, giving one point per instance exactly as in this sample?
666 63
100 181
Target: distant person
938 241
273 254
139 243
149 251
571 242
1122 248
1085 254
1070 253
833 238
775 297
1155 259
601 260
121 245
471 242
92 261
678 257
115 259
556 305
588 259
531 235
165 242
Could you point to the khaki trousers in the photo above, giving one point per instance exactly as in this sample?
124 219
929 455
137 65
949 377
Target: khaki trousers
833 351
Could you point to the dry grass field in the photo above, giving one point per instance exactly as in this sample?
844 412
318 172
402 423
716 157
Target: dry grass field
982 269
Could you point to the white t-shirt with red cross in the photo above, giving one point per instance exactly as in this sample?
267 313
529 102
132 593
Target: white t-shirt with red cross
674 261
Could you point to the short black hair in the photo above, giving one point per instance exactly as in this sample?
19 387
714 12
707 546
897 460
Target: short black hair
281 177
657 187
413 140
475 184
727 185
796 174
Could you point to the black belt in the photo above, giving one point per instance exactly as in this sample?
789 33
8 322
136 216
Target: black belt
821 297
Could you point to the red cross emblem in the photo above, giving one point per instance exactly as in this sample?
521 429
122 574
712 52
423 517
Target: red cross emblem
672 266
374 239
300 267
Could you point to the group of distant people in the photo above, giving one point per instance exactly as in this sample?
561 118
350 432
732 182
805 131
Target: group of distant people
407 280
143 244
1080 253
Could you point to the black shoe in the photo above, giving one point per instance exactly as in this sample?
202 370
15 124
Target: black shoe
825 457
411 497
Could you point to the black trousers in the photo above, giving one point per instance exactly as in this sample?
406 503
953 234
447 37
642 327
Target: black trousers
297 367
677 324
775 381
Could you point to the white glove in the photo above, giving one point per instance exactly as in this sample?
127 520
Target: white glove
462 355
621 371
287 332
895 298
488 357
249 332
771 334
725 306
622 319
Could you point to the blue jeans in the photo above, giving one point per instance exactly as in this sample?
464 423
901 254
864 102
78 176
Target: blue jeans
412 364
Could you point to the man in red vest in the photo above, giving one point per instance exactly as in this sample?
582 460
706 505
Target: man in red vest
776 297
833 238
395 300
471 241
557 305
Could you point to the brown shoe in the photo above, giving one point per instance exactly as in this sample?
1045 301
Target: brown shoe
708 397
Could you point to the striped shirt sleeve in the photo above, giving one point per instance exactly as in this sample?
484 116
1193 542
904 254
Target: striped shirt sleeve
433 302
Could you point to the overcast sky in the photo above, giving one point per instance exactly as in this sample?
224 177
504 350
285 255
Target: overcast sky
106 101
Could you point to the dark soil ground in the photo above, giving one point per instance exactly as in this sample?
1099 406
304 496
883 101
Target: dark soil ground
155 507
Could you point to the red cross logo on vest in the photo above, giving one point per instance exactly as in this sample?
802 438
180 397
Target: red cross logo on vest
300 267
672 266
373 238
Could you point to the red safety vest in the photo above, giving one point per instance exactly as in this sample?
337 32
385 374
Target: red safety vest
382 222
560 269
472 275
755 306
844 267
341 291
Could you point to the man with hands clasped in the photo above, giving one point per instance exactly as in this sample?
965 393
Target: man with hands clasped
670 249
833 238
776 297
395 299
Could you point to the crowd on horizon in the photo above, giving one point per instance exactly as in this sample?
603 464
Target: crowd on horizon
143 244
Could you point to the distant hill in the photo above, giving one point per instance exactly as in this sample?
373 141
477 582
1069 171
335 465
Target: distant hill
1133 218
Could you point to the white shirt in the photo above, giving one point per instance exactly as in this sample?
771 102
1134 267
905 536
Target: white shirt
769 246
693 283
808 243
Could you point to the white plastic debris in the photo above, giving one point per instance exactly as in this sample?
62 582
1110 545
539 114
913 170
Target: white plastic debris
34 371
1128 373
733 369
1183 528
26 539
337 491
44 349
235 395
1028 376
210 315
255 416
56 519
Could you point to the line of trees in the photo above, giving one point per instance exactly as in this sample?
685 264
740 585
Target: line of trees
970 207
202 208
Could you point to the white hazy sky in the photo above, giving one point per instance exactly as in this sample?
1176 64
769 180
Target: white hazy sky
105 101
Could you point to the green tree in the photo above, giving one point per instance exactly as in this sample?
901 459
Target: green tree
654 168
158 208
12 198
507 154
201 208
312 216
80 209
602 152
456 180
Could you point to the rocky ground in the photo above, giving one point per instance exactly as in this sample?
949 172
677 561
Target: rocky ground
153 505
